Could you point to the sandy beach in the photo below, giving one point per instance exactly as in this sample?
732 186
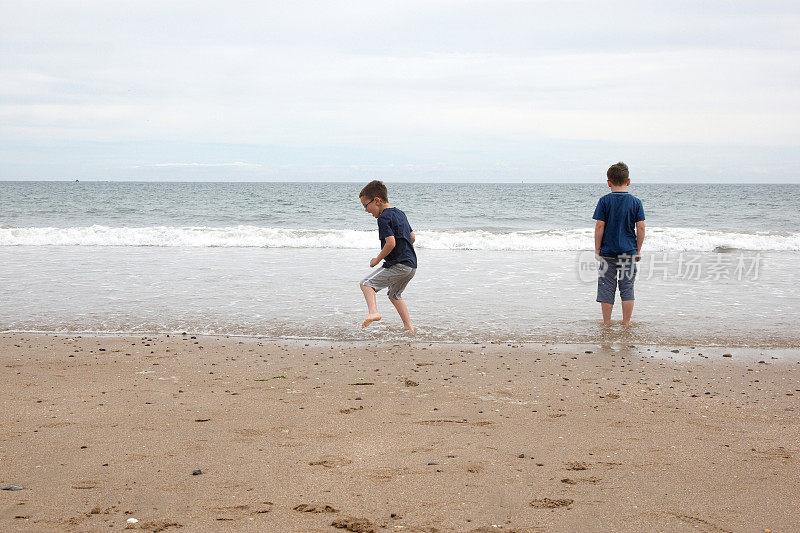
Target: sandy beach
215 433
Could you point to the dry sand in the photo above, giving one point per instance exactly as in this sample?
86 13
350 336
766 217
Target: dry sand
299 436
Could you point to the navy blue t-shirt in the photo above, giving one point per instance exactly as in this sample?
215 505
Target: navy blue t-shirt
620 211
393 223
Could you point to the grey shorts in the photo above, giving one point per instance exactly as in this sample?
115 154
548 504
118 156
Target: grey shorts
395 277
617 270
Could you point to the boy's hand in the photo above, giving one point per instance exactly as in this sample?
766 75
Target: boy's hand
385 251
599 229
638 257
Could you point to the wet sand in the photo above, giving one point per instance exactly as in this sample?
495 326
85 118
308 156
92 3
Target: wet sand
214 433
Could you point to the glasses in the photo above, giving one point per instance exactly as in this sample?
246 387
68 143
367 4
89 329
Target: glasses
366 205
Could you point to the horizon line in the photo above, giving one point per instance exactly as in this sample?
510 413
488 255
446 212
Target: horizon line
413 182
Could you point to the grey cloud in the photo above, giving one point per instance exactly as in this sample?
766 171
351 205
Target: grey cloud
476 82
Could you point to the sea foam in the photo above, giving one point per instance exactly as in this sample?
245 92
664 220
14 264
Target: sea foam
658 238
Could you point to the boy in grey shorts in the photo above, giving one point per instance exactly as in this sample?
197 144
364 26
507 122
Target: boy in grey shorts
397 252
618 238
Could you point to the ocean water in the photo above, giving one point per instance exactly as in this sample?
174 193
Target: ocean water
498 262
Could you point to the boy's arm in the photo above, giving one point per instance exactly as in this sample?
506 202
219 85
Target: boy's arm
599 228
639 239
387 248
413 237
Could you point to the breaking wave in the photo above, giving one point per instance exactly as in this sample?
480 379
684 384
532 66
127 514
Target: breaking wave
657 239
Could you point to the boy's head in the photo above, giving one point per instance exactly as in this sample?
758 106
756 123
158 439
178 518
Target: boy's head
618 175
373 197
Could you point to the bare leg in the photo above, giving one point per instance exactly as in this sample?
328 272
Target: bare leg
606 312
402 310
627 311
372 306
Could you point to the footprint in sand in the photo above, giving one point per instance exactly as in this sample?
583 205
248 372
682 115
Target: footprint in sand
548 503
357 525
775 453
235 512
475 468
315 508
569 481
698 522
577 465
158 525
331 462
440 422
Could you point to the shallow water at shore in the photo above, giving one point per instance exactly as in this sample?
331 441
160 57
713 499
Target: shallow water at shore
457 296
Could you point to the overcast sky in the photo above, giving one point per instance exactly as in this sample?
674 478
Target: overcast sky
406 90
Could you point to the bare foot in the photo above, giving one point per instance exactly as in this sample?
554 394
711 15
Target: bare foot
410 330
370 319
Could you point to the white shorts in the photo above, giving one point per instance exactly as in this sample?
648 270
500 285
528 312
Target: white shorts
395 277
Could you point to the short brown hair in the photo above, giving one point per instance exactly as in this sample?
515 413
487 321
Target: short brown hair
618 173
375 189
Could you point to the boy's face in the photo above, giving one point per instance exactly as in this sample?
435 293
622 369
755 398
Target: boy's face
371 206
